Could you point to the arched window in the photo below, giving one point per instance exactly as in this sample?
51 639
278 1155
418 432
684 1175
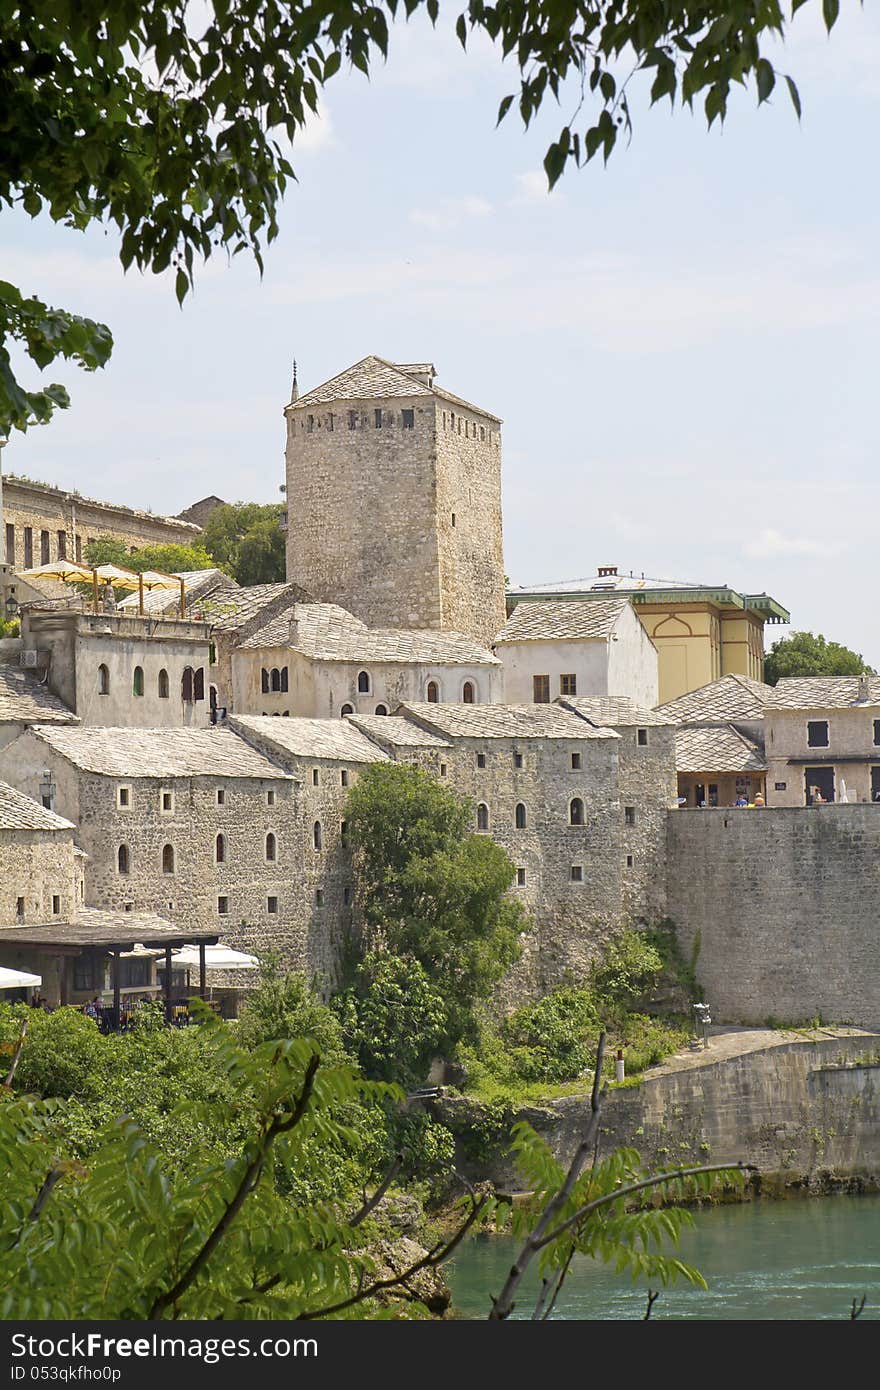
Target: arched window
212 696
220 850
275 679
519 817
363 682
163 684
284 679
482 816
199 684
271 848
122 859
137 684
347 709
186 685
381 709
467 693
317 835
264 681
168 859
576 812
103 680
433 693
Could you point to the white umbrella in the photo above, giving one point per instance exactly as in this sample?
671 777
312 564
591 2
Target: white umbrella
216 958
17 979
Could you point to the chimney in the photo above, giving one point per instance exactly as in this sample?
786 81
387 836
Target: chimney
293 632
606 570
864 694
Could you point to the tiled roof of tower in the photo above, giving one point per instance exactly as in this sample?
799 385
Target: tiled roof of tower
503 721
375 378
159 752
20 812
719 749
312 738
731 697
824 692
25 701
232 609
391 729
567 621
326 632
609 711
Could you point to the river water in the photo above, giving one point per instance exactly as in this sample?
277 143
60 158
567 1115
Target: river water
784 1260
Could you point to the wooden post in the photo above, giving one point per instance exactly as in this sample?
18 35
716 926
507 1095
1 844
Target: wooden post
117 1013
95 587
62 980
202 988
141 594
183 598
168 1004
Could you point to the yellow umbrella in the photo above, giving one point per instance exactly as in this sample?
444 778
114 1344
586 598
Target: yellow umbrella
63 570
112 574
156 579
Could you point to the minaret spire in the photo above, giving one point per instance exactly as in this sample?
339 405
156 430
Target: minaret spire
294 390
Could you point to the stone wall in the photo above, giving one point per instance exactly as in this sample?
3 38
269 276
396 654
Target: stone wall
468 454
784 902
647 784
39 867
61 524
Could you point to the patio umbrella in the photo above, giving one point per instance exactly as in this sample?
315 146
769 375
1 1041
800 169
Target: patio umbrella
216 958
116 576
18 979
64 571
155 579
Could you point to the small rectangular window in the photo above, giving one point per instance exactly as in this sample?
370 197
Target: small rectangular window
19 907
577 873
272 905
442 769
817 733
222 906
315 777
352 419
346 897
62 545
56 904
44 547
780 786
642 737
270 797
221 796
10 543
453 518
343 777
408 419
310 424
28 547
520 878
482 434
378 419
123 797
517 759
319 897
575 762
481 760
540 690
877 733
568 685
629 815
629 861
167 801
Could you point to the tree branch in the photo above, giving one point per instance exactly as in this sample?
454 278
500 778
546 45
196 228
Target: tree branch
16 1056
371 1203
249 1180
502 1306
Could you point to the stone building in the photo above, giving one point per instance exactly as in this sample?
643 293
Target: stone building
319 661
24 700
43 523
720 741
590 647
823 740
40 873
120 669
394 500
193 825
701 632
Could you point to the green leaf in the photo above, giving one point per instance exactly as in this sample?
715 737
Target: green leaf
765 78
830 11
181 285
795 96
503 109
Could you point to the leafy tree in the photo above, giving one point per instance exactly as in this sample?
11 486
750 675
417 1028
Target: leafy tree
283 1006
803 654
170 559
247 541
432 891
393 1018
173 125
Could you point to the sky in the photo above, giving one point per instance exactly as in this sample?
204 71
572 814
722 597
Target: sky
683 346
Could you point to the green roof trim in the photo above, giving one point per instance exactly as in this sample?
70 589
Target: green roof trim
770 610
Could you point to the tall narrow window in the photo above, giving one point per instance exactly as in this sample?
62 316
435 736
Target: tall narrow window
10 543
317 835
44 547
629 815
28 547
137 685
482 816
642 737
186 685
467 693
433 693
103 680
199 684
284 680
122 859
163 684
575 762
220 850
377 415
264 681
540 690
363 682
275 679
271 848
62 545
576 812
168 859
408 419
352 419
343 833
520 816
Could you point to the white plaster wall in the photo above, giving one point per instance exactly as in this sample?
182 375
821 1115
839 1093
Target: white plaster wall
586 659
632 662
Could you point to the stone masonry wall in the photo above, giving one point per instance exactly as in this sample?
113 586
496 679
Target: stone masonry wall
469 522
647 784
38 866
785 903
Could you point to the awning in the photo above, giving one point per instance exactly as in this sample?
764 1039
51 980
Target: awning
216 958
18 979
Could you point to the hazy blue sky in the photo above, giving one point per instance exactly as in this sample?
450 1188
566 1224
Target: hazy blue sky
683 347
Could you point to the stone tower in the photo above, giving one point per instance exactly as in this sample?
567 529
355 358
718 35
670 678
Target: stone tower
394 500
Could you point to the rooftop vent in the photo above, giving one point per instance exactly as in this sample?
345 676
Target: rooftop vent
607 570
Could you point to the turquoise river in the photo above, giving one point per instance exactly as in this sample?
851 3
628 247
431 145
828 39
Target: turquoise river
804 1258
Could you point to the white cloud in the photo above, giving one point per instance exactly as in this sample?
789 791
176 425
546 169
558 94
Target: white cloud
770 544
451 213
318 134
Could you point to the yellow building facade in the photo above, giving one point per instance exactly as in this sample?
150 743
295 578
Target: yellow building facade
701 633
